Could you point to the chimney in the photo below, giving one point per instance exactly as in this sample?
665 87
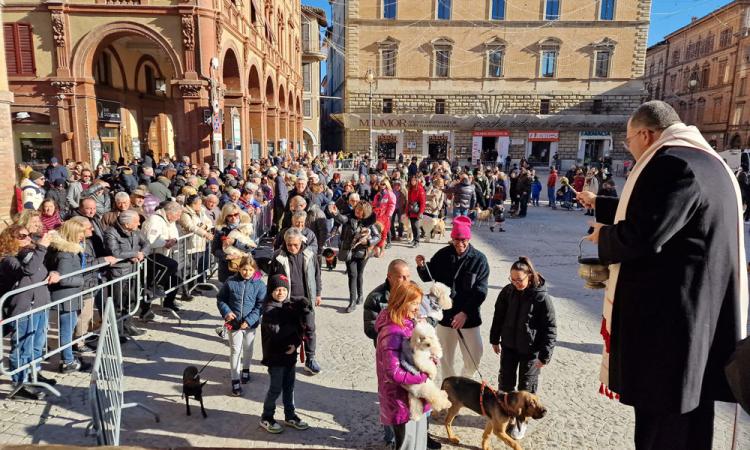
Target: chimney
693 19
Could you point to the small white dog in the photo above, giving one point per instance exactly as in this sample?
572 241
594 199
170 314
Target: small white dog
241 234
422 352
440 299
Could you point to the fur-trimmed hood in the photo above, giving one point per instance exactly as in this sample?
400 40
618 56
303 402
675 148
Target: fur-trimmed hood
61 245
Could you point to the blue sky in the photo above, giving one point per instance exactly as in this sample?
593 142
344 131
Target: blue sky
666 15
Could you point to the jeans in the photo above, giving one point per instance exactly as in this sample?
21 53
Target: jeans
535 199
27 343
524 205
282 382
388 435
517 367
240 350
551 195
308 321
68 321
415 229
355 268
460 211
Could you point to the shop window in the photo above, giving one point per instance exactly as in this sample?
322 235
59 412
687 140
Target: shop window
387 144
544 106
437 147
439 106
19 49
387 105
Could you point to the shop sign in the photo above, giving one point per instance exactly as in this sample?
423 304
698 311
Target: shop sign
490 133
411 145
596 134
108 111
517 141
544 136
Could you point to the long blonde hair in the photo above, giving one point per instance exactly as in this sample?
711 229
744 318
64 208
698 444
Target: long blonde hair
72 231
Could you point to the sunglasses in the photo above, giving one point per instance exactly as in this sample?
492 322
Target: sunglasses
234 215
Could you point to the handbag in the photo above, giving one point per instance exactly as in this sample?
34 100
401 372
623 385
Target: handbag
414 208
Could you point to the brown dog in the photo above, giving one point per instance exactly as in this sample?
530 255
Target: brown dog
498 407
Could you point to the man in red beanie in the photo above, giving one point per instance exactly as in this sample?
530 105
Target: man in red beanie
465 269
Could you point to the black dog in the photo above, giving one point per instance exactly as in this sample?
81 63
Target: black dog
329 255
192 387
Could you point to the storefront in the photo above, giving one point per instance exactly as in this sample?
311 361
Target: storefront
435 144
594 146
491 145
540 147
389 144
108 131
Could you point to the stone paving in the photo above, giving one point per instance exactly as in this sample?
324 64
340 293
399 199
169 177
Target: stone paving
341 402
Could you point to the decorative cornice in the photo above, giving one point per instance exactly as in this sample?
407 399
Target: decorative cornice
64 87
190 90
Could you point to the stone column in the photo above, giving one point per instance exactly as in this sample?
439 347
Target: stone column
7 155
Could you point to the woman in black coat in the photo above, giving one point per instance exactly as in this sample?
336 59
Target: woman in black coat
66 256
524 326
358 234
229 220
21 265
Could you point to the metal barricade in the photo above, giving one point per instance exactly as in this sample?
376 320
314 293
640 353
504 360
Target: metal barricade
106 390
32 340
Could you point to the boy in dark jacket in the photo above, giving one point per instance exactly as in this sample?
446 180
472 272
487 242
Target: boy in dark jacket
281 334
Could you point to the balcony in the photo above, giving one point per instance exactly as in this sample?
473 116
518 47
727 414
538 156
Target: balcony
311 51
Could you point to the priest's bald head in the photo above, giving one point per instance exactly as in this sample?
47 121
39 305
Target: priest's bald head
646 125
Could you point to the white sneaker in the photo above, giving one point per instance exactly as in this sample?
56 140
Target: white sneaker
518 431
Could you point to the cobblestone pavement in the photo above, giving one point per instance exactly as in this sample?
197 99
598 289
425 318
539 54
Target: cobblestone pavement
341 402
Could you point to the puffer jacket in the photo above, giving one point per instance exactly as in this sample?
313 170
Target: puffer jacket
243 297
197 223
351 227
280 266
158 230
416 195
394 400
75 189
60 197
66 257
385 200
467 276
316 221
376 301
160 188
464 195
31 194
535 334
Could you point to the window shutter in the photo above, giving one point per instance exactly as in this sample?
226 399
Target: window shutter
10 48
26 49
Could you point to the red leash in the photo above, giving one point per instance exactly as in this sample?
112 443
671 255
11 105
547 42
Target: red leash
481 396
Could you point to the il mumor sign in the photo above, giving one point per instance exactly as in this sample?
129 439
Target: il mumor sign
357 121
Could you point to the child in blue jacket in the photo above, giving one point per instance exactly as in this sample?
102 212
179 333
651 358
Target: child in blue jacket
536 190
240 303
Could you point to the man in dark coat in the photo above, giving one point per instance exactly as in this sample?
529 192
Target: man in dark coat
679 296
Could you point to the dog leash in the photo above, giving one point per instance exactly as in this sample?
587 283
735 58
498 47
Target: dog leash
204 366
485 385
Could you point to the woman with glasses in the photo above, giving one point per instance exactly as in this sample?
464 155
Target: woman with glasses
22 264
523 331
77 185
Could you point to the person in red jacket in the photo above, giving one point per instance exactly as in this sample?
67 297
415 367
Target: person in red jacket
415 207
551 184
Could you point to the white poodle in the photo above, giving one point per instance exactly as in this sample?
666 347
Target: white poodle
422 352
242 234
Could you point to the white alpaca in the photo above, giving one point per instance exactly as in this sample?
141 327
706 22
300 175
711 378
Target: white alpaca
422 352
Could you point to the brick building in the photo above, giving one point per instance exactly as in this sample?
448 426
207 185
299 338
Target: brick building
6 144
312 54
105 79
702 69
486 79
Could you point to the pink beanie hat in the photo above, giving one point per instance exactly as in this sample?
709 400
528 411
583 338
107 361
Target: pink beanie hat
461 228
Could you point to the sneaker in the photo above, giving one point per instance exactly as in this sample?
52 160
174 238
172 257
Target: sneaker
432 444
84 348
74 366
42 379
236 388
518 431
296 422
312 367
245 378
271 426
351 308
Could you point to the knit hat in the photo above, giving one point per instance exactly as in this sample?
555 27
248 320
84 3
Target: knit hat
461 228
212 181
34 175
278 281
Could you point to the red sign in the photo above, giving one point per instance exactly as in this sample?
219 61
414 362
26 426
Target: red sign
544 136
490 133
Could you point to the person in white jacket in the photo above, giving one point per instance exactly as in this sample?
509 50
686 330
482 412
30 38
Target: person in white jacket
162 235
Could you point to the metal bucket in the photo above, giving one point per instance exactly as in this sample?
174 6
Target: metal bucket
592 270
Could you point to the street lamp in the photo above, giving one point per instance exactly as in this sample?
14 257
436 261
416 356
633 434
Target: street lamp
370 80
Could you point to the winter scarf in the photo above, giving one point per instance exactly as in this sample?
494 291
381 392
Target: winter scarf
677 135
